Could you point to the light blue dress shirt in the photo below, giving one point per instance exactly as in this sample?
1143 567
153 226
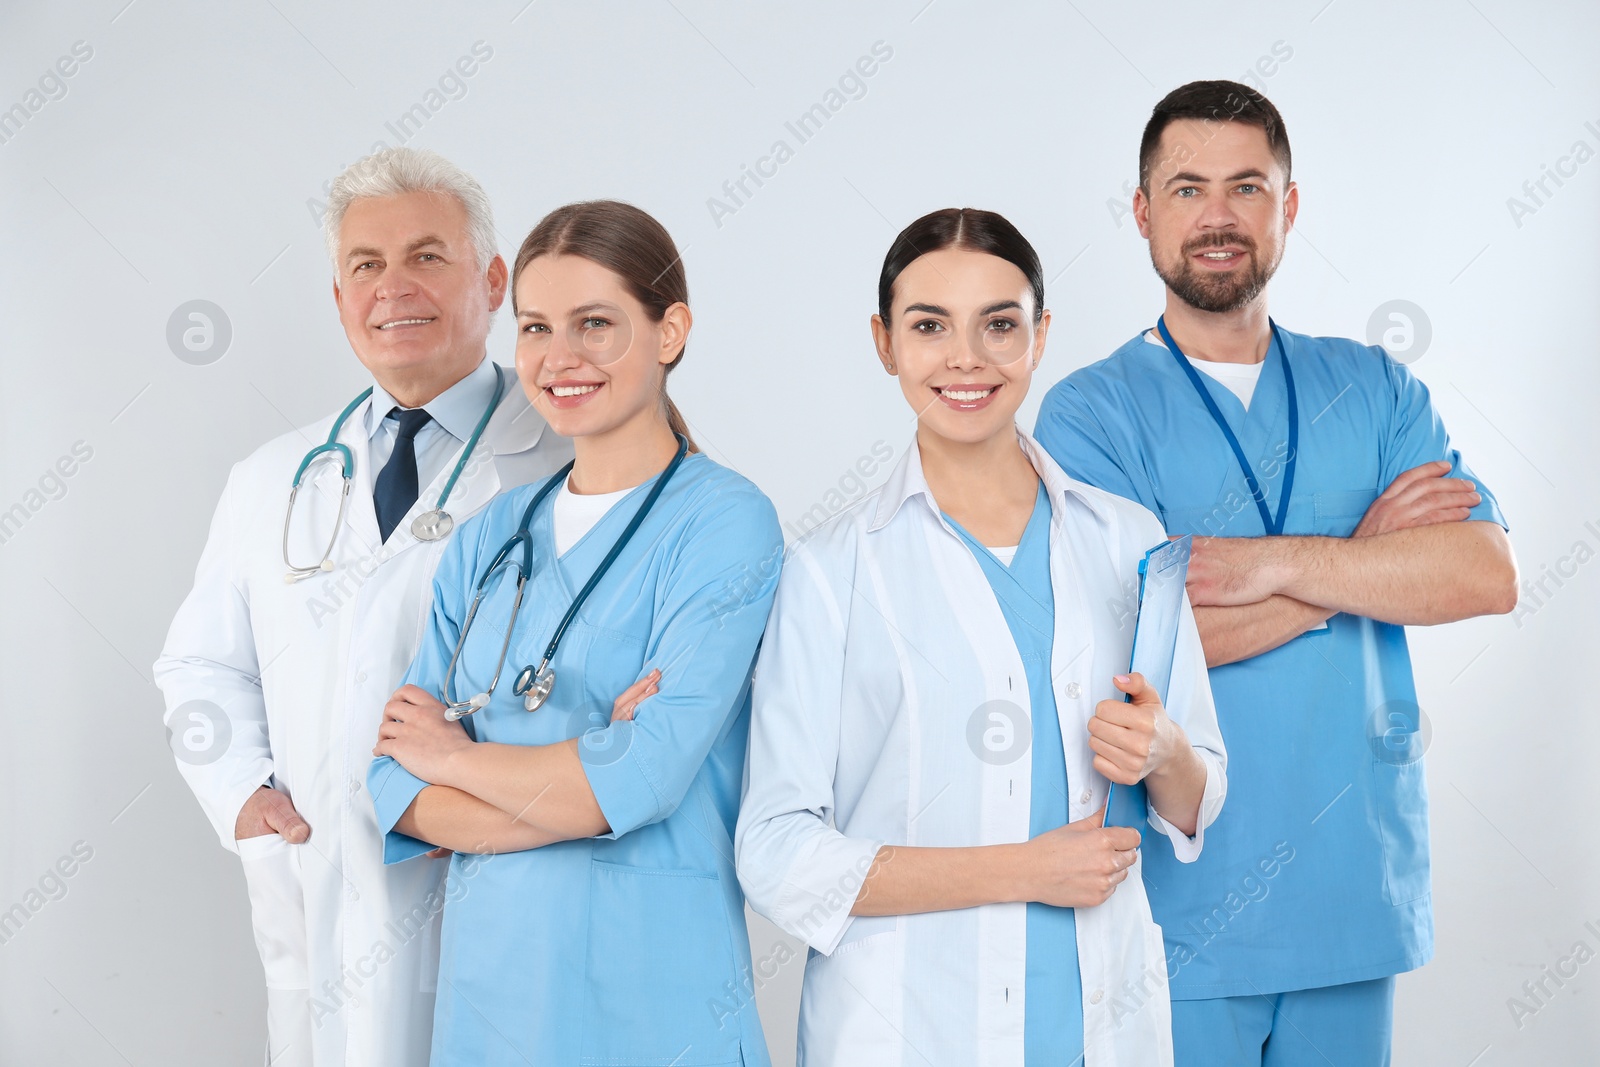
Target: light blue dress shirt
455 414
1053 1016
1316 872
629 948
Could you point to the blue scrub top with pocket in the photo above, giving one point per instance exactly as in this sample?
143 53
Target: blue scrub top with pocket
631 947
1053 998
1316 872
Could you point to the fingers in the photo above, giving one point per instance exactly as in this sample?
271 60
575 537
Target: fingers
1122 838
410 699
623 707
395 710
1113 720
1110 769
437 854
1091 821
1434 518
1124 733
281 816
1408 478
1135 686
1425 494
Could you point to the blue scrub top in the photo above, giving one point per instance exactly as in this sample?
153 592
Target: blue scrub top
1316 872
629 948
1053 1005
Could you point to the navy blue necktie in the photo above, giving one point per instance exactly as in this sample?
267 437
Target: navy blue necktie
396 488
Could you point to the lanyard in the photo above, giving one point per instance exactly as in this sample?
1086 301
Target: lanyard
1274 527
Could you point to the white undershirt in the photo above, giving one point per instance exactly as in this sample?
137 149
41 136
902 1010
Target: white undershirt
1238 378
575 514
1005 555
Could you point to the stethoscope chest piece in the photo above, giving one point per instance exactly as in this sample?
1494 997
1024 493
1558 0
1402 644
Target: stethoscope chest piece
534 684
433 525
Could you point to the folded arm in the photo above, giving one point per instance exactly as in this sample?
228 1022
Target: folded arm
1413 577
1241 631
510 797
1415 559
447 817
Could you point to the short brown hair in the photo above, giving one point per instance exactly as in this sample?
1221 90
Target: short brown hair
1210 101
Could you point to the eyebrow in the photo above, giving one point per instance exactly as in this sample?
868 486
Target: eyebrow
582 309
364 252
1191 177
935 309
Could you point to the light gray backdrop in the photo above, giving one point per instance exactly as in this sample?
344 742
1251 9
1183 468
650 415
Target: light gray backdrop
183 158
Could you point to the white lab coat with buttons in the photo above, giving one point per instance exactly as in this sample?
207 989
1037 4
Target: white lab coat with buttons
884 648
301 673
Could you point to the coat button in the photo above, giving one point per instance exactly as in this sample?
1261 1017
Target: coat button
1083 797
1096 997
361 676
1074 690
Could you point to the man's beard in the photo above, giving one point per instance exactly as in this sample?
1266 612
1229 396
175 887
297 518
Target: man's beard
1214 291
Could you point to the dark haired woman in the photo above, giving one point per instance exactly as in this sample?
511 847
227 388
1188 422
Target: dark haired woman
940 706
592 913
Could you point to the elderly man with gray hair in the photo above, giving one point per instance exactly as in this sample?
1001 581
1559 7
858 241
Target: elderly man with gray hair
301 622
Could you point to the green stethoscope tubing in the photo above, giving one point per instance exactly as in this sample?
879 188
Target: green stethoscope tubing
347 472
534 684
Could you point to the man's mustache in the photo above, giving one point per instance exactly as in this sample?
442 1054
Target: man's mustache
1220 240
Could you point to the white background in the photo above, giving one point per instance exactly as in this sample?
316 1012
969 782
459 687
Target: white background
179 165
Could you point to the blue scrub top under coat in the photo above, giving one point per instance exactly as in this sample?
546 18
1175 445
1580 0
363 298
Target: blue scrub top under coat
629 948
1316 873
1053 1005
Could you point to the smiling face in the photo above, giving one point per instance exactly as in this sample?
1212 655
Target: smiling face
412 299
1217 212
588 355
963 342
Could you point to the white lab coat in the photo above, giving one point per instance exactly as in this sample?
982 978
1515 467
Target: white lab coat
884 654
301 674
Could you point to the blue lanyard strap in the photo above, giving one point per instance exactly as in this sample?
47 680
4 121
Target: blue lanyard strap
1274 527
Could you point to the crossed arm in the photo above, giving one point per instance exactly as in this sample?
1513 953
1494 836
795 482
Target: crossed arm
491 798
1415 559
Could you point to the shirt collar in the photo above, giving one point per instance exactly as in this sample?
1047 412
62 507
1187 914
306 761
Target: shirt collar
456 410
907 481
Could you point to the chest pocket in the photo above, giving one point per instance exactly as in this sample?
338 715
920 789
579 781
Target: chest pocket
1338 512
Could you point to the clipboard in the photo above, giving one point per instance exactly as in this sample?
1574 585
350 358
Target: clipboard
1162 574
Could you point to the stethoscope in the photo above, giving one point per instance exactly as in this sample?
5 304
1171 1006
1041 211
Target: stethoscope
534 684
431 525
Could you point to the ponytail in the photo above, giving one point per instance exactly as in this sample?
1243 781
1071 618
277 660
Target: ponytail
675 420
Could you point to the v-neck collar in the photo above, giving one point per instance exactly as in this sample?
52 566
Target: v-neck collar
1262 429
1035 538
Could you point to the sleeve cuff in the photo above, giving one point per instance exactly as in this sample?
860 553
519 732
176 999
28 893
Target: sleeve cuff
1186 848
393 788
814 904
620 779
